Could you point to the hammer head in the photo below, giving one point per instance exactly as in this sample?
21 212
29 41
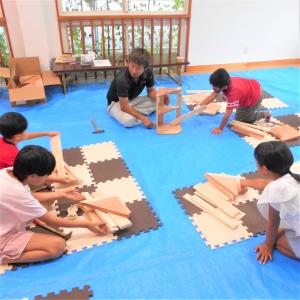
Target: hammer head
98 130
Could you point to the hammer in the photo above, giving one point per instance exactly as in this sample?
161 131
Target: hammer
97 129
49 228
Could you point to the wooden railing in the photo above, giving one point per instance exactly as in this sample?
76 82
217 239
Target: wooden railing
113 36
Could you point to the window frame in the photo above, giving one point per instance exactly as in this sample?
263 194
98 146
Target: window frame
123 12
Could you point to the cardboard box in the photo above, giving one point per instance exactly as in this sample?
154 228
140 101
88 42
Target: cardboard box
27 81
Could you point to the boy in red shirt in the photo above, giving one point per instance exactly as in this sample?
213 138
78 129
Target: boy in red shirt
244 95
13 130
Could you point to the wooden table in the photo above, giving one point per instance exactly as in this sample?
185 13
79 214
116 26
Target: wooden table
67 71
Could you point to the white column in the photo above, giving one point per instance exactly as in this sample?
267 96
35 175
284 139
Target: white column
33 29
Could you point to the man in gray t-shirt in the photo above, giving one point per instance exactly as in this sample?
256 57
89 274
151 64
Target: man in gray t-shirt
124 102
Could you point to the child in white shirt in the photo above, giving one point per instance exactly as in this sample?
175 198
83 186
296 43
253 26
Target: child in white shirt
18 207
279 202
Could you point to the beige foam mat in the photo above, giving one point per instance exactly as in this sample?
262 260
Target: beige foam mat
215 233
100 152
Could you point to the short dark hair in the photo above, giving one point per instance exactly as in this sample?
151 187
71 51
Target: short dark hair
276 157
140 56
33 160
219 78
12 123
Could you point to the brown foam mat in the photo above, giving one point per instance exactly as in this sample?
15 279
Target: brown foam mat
292 120
252 219
76 294
214 232
73 156
108 170
142 217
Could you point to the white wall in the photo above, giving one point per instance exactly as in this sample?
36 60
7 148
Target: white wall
222 31
33 29
233 31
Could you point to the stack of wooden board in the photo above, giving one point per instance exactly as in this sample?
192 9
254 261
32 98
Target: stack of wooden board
285 133
215 197
111 211
282 132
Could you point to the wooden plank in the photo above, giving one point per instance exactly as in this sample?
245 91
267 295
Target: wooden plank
197 110
57 152
206 192
113 40
170 40
211 109
165 109
111 225
132 25
121 222
229 185
143 32
179 104
92 215
249 130
206 207
152 37
261 128
216 191
169 129
285 133
123 39
245 131
179 35
166 91
103 39
109 205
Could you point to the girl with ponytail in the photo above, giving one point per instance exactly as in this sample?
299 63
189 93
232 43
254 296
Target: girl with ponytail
279 202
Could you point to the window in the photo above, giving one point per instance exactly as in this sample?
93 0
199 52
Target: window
5 49
90 5
112 27
69 7
156 5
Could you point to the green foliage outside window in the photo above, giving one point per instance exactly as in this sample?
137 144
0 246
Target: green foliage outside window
4 48
133 5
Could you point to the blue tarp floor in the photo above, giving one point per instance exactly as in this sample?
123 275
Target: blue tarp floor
172 262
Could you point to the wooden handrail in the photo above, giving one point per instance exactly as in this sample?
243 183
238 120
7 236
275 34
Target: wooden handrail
127 16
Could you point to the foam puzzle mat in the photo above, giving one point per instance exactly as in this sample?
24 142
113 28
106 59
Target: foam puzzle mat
217 234
76 293
269 102
101 168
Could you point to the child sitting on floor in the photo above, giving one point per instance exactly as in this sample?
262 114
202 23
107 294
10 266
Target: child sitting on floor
13 130
279 202
244 95
32 165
